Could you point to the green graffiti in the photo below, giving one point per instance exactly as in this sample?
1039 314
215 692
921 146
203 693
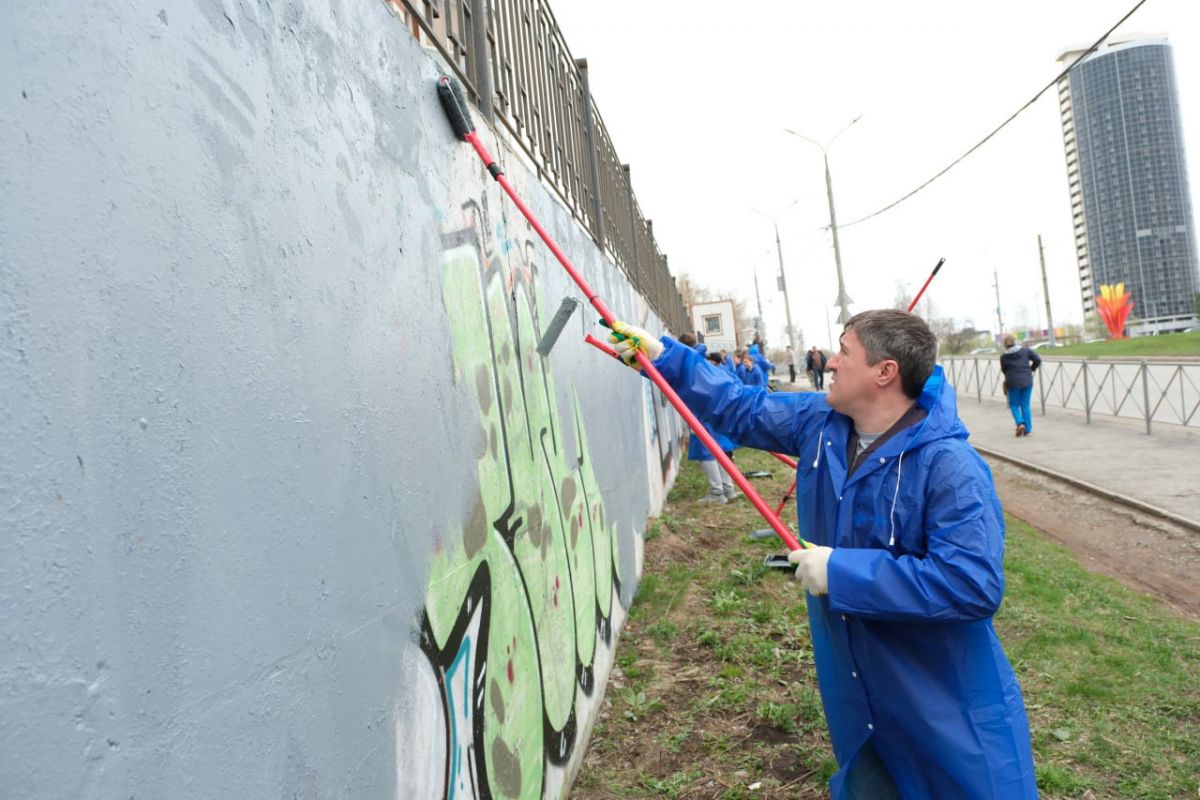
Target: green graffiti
531 562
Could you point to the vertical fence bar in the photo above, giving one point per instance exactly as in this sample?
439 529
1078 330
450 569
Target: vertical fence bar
1087 402
1182 402
978 383
589 130
1041 391
482 73
1146 393
633 267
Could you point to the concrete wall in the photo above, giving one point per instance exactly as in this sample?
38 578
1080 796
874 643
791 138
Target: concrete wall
290 506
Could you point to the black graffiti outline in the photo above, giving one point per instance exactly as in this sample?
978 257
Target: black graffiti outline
558 744
479 591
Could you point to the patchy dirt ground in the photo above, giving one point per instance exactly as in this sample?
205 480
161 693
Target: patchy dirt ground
1140 550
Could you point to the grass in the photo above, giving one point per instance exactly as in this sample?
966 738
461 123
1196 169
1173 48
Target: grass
713 689
1171 344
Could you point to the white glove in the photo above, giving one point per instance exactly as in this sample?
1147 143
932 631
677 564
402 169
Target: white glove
627 339
812 568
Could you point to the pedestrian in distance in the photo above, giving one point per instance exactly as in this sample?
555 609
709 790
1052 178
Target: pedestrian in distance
905 571
815 362
1018 364
720 486
791 364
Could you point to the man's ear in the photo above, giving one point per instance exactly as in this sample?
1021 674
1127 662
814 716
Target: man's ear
889 371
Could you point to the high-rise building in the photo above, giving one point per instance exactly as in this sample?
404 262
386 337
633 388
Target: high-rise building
1128 179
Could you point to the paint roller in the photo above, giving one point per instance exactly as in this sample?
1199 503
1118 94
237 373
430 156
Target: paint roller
555 328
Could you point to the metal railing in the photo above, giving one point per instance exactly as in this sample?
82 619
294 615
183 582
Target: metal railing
517 69
1155 391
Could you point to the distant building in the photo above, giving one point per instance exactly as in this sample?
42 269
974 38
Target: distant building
1128 180
714 324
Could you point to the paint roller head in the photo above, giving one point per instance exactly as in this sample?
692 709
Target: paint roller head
555 328
455 105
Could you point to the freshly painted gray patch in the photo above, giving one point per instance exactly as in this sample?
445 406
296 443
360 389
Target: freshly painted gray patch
231 430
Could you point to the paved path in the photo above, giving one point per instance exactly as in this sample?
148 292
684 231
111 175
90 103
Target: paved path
1161 469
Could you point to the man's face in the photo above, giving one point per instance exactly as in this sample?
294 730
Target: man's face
853 383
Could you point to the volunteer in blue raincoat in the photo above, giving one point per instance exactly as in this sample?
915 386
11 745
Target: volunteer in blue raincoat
760 362
906 572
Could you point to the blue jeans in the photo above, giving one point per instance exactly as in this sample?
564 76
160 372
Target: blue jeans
868 778
1018 404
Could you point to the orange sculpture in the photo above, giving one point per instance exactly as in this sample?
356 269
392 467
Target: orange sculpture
1114 306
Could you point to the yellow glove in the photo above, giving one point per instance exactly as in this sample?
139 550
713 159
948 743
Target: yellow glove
628 339
812 568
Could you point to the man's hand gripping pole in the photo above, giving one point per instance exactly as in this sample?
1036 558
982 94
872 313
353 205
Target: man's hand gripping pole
772 517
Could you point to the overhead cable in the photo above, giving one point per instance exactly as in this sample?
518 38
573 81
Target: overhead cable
1014 115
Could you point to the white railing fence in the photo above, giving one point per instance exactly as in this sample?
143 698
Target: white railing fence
1154 391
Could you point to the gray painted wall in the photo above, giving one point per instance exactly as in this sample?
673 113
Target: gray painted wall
244 421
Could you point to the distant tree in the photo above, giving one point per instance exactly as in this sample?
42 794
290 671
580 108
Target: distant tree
1196 304
953 337
1093 327
1072 333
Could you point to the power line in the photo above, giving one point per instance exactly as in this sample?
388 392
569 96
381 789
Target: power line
1002 125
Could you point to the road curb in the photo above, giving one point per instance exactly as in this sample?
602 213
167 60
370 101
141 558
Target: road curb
1092 488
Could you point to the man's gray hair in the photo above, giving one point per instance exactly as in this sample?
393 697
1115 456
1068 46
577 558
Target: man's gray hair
901 337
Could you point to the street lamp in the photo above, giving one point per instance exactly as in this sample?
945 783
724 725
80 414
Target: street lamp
787 303
843 300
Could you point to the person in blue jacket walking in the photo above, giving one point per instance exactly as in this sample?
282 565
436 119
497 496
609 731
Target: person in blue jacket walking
906 570
1018 365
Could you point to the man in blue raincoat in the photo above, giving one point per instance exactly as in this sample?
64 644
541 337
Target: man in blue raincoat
906 572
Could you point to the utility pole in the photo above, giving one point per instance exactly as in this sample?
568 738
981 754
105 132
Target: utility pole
829 330
843 299
999 319
787 304
1046 291
758 321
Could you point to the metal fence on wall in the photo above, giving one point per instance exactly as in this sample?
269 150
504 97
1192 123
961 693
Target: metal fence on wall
516 67
1154 391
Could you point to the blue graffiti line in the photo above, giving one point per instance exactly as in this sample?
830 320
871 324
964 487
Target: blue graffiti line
462 657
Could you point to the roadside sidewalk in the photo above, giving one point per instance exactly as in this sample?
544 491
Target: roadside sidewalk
1161 469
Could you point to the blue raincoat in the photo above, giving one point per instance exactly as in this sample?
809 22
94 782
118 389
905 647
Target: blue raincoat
753 376
904 646
760 361
698 452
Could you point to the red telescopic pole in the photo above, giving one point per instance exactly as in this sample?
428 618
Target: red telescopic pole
925 285
772 517
791 463
455 107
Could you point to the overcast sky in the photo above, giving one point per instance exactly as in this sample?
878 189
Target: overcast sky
696 96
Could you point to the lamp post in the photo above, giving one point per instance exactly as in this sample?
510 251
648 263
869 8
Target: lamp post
843 300
758 321
787 303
